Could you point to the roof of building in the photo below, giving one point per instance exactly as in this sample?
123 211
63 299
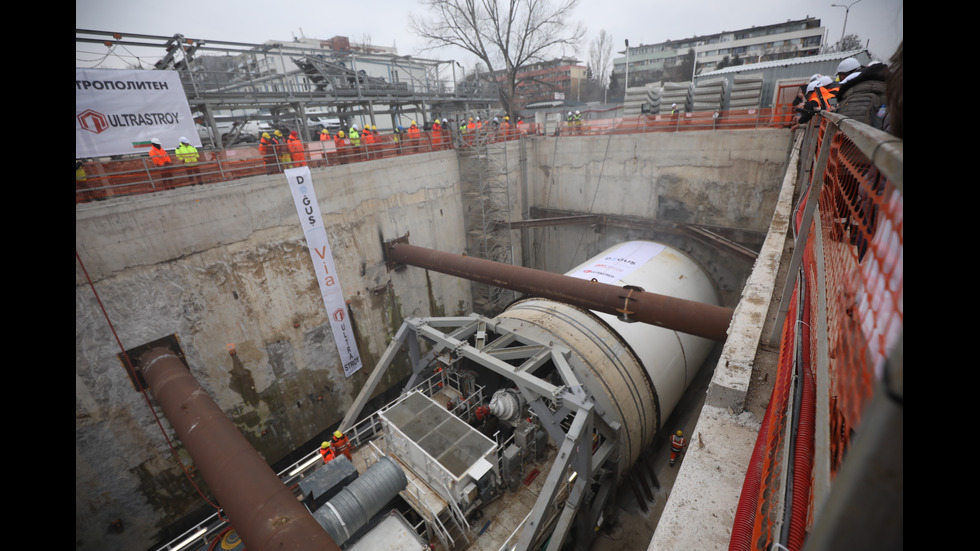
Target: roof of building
806 60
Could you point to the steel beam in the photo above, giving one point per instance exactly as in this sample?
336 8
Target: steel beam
702 320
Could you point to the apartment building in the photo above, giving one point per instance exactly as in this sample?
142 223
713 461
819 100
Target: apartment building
670 60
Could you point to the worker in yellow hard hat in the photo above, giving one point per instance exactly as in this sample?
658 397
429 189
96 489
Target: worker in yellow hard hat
340 143
326 452
268 152
341 445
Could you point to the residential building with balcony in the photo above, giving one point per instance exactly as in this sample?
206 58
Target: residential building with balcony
668 60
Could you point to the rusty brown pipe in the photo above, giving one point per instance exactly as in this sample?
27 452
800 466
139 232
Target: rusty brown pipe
263 511
695 318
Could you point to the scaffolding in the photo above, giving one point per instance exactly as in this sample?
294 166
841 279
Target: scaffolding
485 186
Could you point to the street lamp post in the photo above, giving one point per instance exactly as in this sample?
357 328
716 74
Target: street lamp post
847 10
627 86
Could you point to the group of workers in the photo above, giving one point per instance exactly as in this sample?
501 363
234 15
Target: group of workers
857 92
336 446
187 157
279 151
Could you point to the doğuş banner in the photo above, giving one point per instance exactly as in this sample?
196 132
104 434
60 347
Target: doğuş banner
118 112
301 184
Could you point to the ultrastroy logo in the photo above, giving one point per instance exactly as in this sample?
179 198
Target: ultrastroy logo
93 121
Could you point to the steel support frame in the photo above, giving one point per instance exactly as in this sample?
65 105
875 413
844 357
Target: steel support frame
552 404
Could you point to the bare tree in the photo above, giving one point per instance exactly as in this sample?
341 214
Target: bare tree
600 58
506 35
847 44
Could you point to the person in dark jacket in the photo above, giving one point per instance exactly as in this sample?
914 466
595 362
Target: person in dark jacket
862 93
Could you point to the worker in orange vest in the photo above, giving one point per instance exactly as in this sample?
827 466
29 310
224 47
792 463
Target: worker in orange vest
437 134
161 159
267 149
677 444
341 445
340 142
414 136
296 150
326 452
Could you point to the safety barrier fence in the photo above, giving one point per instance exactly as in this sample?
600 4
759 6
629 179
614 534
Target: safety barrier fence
138 175
842 330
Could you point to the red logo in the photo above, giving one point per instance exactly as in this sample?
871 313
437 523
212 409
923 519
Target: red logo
339 314
93 121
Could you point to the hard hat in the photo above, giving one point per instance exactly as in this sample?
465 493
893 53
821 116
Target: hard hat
373 128
184 140
848 65
437 121
354 127
338 434
569 112
506 118
576 112
815 76
679 433
155 141
325 445
324 131
825 81
340 133
413 123
294 134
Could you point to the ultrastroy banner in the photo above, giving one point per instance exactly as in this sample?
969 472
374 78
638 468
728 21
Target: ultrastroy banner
118 111
301 184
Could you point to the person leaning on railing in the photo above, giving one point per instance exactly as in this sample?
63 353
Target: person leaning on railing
188 156
161 162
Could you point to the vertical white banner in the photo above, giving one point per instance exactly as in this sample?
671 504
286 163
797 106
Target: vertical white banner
301 184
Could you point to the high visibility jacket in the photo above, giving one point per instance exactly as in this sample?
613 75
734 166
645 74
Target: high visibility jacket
327 454
355 138
677 443
368 137
340 445
159 156
338 141
413 132
265 146
187 154
820 97
296 151
324 136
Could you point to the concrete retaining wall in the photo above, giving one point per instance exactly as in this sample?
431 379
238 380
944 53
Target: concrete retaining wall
226 265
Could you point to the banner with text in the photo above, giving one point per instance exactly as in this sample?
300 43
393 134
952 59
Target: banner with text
620 263
118 112
301 184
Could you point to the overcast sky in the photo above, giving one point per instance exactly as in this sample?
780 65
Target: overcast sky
386 22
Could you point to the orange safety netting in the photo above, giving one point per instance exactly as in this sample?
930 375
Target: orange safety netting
855 245
138 175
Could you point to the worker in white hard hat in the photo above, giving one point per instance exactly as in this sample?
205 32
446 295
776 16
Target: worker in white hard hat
161 162
188 156
847 67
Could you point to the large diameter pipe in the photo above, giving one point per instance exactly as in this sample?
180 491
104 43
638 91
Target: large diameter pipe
359 501
266 515
694 318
